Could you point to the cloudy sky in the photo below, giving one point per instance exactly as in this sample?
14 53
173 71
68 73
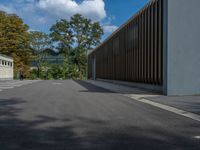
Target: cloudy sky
41 14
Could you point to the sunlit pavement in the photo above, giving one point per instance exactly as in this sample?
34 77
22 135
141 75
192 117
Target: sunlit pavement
9 84
75 115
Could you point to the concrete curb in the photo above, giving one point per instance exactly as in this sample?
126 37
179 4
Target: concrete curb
168 108
142 99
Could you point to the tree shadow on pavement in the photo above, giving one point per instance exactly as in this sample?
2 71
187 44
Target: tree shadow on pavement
120 88
77 133
92 88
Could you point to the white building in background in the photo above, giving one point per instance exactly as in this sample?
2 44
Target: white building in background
6 67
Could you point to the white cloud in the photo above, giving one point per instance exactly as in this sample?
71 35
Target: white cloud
41 14
33 30
109 28
94 9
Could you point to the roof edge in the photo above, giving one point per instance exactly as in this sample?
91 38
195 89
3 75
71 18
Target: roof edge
6 56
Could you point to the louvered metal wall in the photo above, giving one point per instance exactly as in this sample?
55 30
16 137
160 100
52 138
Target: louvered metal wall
135 52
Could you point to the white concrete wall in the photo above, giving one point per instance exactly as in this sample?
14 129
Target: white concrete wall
182 50
6 71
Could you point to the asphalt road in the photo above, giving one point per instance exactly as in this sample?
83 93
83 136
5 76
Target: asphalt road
74 115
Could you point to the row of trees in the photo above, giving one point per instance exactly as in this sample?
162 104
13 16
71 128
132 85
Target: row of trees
70 38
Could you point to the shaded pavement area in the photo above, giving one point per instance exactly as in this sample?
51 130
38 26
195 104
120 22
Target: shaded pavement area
187 103
75 115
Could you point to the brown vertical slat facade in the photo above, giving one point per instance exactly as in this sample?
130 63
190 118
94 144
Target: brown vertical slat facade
134 52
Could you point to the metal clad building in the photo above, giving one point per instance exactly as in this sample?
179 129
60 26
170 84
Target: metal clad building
141 51
6 67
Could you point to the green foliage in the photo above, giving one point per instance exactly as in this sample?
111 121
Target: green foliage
39 41
33 75
14 41
58 71
62 36
70 70
73 39
86 34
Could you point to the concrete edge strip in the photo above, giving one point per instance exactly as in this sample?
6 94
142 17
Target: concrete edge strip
158 105
168 108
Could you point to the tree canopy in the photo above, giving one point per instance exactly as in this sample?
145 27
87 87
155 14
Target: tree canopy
70 38
14 40
75 37
39 42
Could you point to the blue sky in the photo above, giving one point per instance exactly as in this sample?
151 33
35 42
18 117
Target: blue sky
41 14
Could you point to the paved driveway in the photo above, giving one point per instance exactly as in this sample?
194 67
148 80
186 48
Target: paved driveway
74 115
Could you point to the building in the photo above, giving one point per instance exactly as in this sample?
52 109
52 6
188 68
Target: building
48 56
6 67
158 48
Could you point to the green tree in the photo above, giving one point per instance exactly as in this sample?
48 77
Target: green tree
62 36
74 38
39 42
86 34
14 41
56 71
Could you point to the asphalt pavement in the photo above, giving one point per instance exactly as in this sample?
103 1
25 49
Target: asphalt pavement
187 103
75 115
9 84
